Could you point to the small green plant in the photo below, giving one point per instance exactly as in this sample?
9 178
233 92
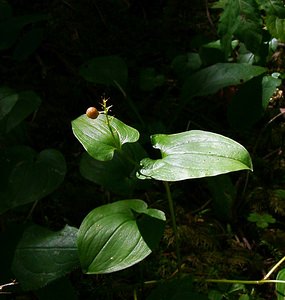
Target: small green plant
246 59
192 154
118 235
261 220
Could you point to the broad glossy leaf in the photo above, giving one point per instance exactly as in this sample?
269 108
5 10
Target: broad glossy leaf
194 154
116 236
43 256
97 139
279 286
211 79
27 176
108 70
117 175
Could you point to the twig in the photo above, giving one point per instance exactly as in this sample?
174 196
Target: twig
2 286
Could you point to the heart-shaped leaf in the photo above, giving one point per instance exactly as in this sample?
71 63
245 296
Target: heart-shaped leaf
15 107
116 236
43 256
194 154
108 70
100 140
27 176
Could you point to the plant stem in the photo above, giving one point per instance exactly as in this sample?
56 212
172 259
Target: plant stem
274 268
262 281
174 226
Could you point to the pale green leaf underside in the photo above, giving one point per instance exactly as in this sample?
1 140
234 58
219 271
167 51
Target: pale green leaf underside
97 139
194 154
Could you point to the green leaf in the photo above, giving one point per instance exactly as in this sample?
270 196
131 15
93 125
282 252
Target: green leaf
59 289
27 176
11 28
107 70
186 64
255 96
211 53
116 236
272 7
224 194
8 98
244 297
215 295
280 286
211 79
219 4
261 220
269 86
241 19
27 102
97 138
15 107
9 236
29 42
194 154
244 55
117 175
149 79
246 105
43 256
276 27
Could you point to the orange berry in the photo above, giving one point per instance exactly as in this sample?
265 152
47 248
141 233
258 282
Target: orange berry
92 112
